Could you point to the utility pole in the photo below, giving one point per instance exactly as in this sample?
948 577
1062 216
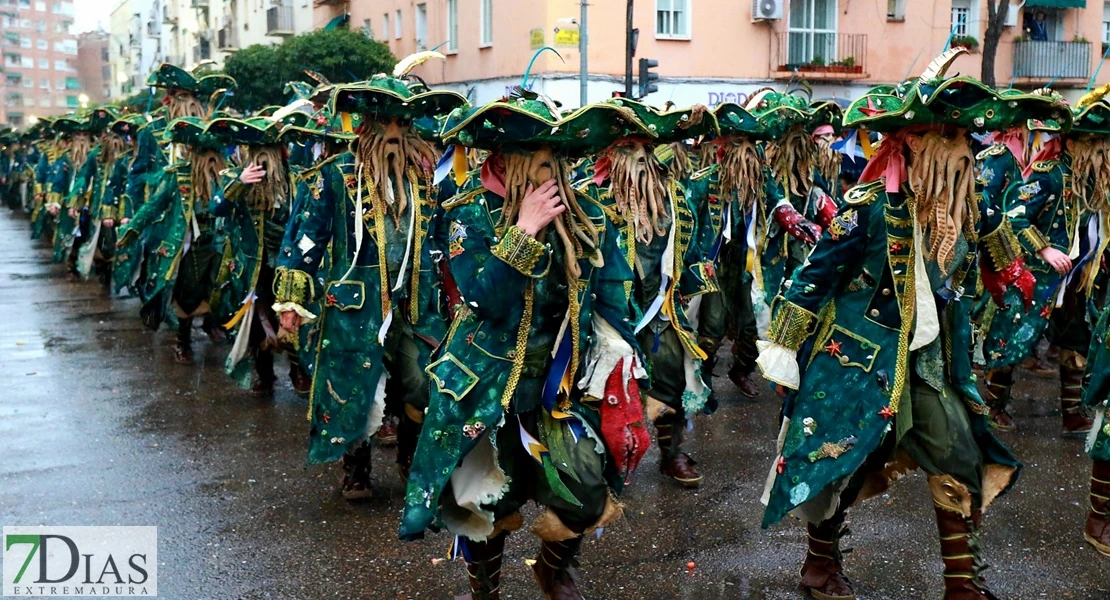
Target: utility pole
628 51
583 47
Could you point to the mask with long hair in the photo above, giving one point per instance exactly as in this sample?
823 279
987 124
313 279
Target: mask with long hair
941 174
574 228
681 165
111 147
793 160
182 104
636 181
204 167
384 152
741 173
706 151
1090 170
274 189
828 158
79 146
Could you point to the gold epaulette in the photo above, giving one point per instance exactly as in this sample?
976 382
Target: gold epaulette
1044 166
463 198
995 149
314 169
703 173
864 193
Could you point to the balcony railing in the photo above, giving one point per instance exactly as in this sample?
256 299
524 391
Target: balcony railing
227 40
1052 60
279 21
818 55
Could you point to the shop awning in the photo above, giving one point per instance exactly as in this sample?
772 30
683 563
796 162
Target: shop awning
336 23
1056 3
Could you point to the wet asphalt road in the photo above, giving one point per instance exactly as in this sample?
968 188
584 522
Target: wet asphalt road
98 426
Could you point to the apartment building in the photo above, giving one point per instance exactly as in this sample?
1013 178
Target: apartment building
711 51
39 60
93 69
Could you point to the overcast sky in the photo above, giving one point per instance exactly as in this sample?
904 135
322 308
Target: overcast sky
93 14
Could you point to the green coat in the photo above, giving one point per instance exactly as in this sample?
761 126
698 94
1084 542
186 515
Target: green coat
39 214
497 339
849 311
1096 385
58 186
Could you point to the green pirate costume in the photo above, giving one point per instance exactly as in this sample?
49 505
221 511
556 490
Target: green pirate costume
878 319
659 240
181 262
42 211
126 260
93 197
76 145
1044 213
545 331
11 167
370 217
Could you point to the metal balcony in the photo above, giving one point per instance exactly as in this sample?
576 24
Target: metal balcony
279 21
227 40
200 3
815 55
1049 61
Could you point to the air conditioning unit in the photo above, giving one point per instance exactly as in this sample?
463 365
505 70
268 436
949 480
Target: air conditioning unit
767 10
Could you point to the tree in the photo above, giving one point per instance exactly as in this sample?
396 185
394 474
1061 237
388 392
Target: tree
997 11
340 55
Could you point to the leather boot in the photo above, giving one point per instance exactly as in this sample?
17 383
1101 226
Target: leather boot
1041 367
822 572
1097 530
743 366
408 433
999 382
387 433
674 463
264 368
483 566
212 329
302 383
356 474
555 569
183 349
958 526
709 346
1075 419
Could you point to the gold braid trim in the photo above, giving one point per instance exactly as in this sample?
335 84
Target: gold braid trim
293 285
1002 246
424 196
521 346
519 250
791 324
909 306
1036 239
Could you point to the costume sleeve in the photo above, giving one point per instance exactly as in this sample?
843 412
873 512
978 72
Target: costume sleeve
42 173
85 179
115 202
1023 209
143 167
58 184
307 237
231 191
151 212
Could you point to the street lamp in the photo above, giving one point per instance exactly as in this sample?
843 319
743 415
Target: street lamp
83 99
31 120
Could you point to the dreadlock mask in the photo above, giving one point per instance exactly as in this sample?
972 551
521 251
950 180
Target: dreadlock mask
1090 168
706 151
941 172
79 146
524 167
384 152
636 182
205 166
182 103
274 189
111 146
681 165
793 159
828 158
741 170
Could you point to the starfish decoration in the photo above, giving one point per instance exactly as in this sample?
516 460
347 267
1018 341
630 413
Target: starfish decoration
833 348
896 247
871 111
886 413
780 466
1046 311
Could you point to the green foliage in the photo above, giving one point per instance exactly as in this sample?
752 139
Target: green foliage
340 55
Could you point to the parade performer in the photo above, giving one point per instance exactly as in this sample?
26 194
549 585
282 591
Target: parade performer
380 315
75 146
879 321
1026 174
127 260
659 239
544 333
42 215
92 199
11 167
182 263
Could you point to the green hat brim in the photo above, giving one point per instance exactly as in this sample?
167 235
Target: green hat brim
384 99
128 124
191 131
1092 119
734 120
69 125
517 122
826 113
672 125
778 112
252 131
172 76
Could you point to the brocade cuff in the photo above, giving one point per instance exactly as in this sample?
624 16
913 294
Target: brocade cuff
520 251
1003 246
293 286
791 324
1036 240
54 198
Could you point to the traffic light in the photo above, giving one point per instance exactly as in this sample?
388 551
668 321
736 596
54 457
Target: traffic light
648 77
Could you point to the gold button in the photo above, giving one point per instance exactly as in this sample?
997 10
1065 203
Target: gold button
843 359
874 312
886 291
1060 212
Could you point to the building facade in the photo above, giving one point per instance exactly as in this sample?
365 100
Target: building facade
711 51
93 68
40 75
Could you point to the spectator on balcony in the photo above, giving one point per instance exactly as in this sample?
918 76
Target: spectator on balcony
1038 29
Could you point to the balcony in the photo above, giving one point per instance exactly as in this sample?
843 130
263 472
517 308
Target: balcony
1051 61
202 51
279 21
330 2
818 55
227 40
200 4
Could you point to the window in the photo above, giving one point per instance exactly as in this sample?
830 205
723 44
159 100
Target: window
44 84
397 25
40 6
71 101
44 63
41 44
25 43
28 101
27 62
368 28
672 19
28 82
961 17
812 31
895 10
421 27
1106 23
487 23
385 26
40 26
60 84
45 102
60 65
452 26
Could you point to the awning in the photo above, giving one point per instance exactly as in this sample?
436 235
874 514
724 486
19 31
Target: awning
1056 3
336 23
11 35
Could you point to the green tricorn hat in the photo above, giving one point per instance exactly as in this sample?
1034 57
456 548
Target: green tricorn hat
251 131
384 97
1091 114
734 120
527 118
191 132
671 125
173 76
128 124
962 101
825 112
322 124
70 124
102 117
777 112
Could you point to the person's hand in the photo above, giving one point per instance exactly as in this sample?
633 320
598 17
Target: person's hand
1059 261
252 174
539 208
73 213
124 221
780 390
109 223
290 321
54 209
